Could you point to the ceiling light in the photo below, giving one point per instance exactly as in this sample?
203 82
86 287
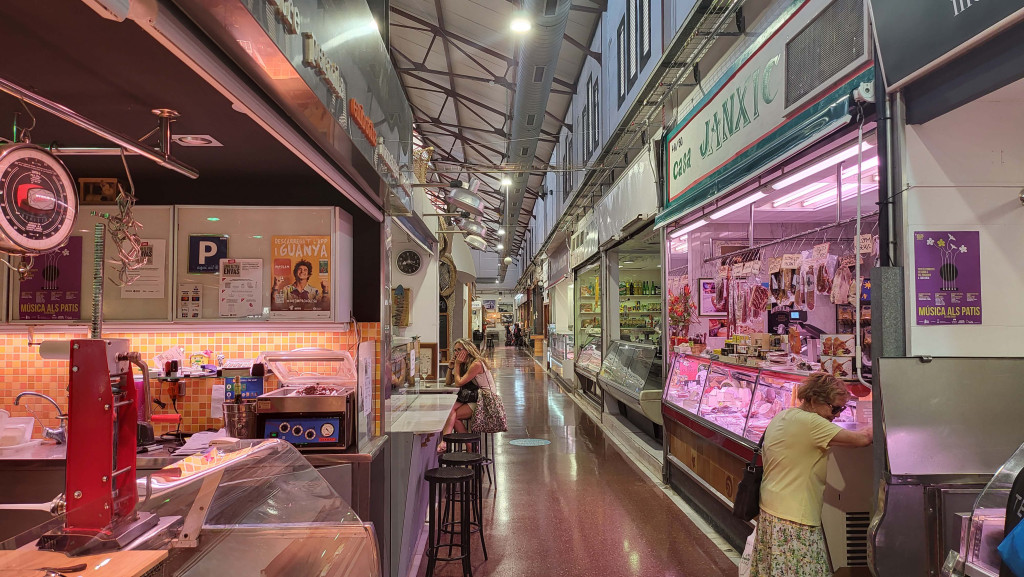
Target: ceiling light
505 181
627 262
828 197
212 218
692 226
819 166
864 167
500 246
508 260
476 242
738 205
520 25
465 200
501 232
472 227
195 140
800 193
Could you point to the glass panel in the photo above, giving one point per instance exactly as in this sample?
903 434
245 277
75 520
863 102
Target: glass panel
775 392
686 382
727 396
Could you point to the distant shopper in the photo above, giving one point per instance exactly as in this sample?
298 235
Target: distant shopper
517 335
465 367
789 540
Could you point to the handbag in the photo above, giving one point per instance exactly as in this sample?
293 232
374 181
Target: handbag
490 411
468 393
747 504
1012 550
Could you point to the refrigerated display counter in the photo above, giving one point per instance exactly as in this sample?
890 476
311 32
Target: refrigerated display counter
631 374
714 415
259 509
588 362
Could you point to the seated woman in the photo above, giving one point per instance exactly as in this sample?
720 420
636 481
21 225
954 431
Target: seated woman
466 365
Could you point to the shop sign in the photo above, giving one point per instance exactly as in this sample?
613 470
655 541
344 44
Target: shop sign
558 265
386 160
744 110
947 271
314 57
490 305
362 121
916 36
742 124
205 252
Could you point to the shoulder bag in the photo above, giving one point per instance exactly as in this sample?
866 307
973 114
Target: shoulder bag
490 411
747 504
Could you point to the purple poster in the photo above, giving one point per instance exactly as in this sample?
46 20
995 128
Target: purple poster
947 267
52 288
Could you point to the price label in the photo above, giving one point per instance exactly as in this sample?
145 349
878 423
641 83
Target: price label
847 261
774 265
723 271
791 261
820 252
752 268
738 270
867 244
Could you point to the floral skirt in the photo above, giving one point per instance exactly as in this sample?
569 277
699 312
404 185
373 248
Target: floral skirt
786 549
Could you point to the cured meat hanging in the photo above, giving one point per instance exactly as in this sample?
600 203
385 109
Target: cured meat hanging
758 301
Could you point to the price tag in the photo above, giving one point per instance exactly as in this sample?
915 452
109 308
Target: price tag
723 271
867 244
820 252
847 261
791 261
774 265
737 270
752 268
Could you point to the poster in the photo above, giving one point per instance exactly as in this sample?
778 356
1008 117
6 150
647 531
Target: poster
241 287
301 277
150 281
190 300
718 328
947 272
205 252
490 305
52 288
706 299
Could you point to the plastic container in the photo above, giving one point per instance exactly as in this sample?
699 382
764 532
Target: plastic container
16 431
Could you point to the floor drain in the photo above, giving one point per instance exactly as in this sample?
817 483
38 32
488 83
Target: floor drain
529 442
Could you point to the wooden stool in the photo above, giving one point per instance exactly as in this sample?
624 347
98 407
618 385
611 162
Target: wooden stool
462 442
459 478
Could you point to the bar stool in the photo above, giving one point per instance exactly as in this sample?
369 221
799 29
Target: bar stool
449 477
463 442
487 443
474 496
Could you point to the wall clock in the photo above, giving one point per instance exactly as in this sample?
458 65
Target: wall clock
409 262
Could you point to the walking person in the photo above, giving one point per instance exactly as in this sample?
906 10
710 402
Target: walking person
466 366
789 540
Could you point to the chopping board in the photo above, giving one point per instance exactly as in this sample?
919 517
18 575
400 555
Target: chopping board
26 563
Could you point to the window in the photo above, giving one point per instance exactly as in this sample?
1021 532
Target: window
645 32
566 181
585 124
591 114
621 39
631 31
595 106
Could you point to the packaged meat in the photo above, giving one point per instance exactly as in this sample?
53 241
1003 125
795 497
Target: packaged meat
809 287
841 285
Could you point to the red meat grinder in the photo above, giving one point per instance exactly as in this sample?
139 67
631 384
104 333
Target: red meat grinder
100 492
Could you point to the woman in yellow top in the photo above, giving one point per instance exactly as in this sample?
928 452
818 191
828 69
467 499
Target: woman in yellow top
789 540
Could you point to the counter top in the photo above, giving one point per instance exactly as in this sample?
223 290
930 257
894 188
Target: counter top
420 414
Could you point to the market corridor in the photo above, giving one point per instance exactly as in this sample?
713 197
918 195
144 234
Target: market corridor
575 506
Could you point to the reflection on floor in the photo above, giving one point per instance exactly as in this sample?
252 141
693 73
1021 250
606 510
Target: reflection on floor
576 507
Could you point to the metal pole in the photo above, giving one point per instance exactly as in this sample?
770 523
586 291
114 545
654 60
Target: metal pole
839 192
99 244
77 119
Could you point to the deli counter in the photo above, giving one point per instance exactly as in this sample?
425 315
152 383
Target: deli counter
631 375
715 413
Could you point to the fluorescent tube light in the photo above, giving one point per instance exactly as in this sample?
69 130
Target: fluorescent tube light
738 205
819 166
800 193
828 198
692 226
864 167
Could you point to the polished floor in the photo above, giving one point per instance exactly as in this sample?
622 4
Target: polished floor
577 506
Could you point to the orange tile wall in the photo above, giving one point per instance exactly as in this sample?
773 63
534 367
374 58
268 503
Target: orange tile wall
22 369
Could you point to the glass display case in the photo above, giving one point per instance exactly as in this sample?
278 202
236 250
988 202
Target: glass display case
259 509
985 527
686 382
739 398
627 367
589 359
562 347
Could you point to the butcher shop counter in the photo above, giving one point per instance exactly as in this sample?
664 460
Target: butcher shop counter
716 412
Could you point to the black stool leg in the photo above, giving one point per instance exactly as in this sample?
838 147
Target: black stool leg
488 441
467 567
448 518
478 504
431 523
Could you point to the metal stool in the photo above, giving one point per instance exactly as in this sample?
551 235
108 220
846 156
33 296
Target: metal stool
475 495
463 442
450 477
487 443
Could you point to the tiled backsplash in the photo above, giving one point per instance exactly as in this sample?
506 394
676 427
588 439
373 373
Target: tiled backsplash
22 369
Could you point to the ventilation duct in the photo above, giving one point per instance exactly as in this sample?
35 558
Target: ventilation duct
536 70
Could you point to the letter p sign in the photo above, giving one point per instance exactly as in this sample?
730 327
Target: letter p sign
205 252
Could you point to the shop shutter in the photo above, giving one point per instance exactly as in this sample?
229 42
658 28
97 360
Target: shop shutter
823 49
